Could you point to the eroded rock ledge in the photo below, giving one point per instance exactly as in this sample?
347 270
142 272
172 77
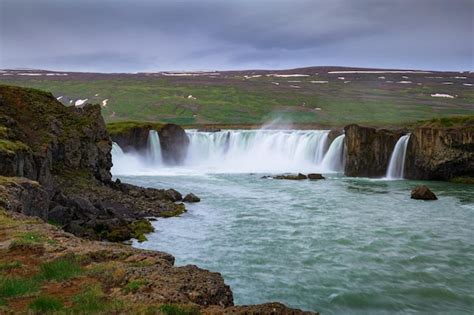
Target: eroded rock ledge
436 150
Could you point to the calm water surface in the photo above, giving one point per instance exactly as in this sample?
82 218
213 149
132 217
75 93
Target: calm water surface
338 246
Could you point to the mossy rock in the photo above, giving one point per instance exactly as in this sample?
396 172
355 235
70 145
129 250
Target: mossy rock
122 127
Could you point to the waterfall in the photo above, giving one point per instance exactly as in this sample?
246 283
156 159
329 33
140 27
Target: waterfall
240 151
335 158
396 166
154 147
257 150
116 150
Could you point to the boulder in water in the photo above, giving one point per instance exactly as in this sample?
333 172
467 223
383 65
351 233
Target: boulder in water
423 193
314 176
191 198
299 176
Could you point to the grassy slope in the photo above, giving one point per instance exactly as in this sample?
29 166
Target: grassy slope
232 99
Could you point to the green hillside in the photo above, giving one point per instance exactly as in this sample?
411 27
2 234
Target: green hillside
255 97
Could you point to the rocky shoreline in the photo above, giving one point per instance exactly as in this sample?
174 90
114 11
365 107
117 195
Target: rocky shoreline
55 166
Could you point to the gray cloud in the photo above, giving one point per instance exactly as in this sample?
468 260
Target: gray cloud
146 35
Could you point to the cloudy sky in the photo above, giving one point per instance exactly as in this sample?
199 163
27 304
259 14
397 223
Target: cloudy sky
153 35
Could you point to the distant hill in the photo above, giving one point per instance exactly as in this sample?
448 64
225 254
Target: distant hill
313 95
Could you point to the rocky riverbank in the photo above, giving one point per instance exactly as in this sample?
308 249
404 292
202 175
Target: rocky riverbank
55 166
44 269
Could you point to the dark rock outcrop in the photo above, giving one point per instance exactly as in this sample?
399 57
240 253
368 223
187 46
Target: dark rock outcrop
423 193
333 134
41 137
191 198
133 139
438 153
66 152
24 196
314 176
174 143
368 150
298 176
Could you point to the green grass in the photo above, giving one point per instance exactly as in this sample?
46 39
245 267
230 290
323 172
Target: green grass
30 239
60 269
13 287
134 285
173 309
7 266
12 146
235 101
123 126
449 121
46 304
91 300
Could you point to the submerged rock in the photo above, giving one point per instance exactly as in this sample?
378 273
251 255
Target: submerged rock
423 193
314 176
298 176
191 198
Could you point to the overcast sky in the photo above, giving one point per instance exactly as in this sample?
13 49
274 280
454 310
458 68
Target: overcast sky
153 35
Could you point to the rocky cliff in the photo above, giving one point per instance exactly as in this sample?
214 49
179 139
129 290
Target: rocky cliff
440 153
133 136
435 151
368 150
67 151
39 137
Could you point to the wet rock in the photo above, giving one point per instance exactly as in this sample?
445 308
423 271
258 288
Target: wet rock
314 176
191 198
173 195
298 176
209 129
174 143
423 193
368 150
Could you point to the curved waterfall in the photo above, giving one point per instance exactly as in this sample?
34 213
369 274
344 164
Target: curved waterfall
243 151
335 159
396 166
154 147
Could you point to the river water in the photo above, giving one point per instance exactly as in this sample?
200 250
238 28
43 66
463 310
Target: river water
337 246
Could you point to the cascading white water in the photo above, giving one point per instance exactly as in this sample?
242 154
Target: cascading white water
396 166
116 150
242 151
256 150
334 159
154 147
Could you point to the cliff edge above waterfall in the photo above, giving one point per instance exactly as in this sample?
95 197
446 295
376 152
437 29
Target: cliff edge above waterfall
440 149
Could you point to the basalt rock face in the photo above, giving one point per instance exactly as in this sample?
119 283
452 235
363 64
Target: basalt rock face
174 143
333 134
133 139
39 137
368 150
65 153
440 153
